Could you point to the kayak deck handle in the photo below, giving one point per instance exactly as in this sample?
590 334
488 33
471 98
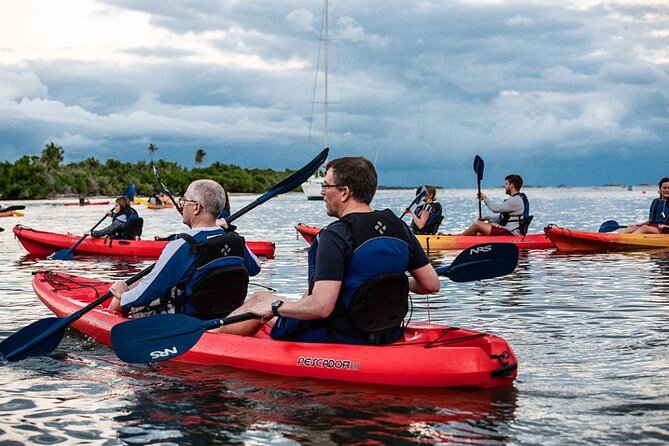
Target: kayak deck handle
504 370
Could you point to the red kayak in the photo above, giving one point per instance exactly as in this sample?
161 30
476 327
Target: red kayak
570 240
88 203
429 355
42 243
441 242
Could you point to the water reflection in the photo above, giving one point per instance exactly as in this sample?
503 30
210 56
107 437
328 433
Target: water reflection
232 406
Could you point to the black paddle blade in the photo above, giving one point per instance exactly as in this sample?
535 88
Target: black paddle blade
483 261
478 167
37 339
609 226
286 185
16 207
2 229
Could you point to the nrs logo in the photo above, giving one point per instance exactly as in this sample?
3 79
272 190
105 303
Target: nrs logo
157 354
480 249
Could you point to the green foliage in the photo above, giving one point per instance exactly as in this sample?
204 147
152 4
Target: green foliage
39 177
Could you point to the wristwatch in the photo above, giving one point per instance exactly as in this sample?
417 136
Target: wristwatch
275 307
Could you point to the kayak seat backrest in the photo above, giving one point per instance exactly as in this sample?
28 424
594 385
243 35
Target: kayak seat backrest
434 227
524 224
134 228
379 306
220 291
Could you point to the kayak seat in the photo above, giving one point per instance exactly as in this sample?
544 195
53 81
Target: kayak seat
220 291
134 229
434 228
379 305
524 224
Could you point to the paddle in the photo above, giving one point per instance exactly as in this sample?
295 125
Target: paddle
478 168
165 189
166 336
16 207
420 193
41 337
482 261
68 254
610 226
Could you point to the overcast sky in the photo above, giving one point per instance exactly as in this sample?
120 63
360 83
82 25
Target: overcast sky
572 92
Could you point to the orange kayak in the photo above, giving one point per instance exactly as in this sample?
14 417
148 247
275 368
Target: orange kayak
441 242
570 240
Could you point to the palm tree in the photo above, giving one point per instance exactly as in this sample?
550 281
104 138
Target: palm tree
52 156
152 149
199 156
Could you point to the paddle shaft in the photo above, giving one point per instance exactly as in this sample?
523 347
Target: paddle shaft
478 168
415 200
165 189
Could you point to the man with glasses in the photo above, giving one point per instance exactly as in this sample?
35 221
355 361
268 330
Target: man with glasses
350 260
170 280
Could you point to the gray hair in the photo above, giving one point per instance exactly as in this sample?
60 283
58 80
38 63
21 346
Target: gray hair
210 195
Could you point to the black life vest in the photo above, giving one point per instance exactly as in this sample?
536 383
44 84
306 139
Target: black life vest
132 227
216 284
523 220
432 224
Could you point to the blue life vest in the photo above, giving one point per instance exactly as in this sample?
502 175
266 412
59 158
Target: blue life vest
659 212
380 246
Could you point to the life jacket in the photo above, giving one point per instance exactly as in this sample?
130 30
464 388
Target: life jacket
523 220
132 227
659 212
432 223
215 284
373 298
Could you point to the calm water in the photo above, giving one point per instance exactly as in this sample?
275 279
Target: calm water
590 332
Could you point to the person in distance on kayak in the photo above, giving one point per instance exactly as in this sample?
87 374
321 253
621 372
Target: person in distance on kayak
123 217
426 218
658 216
198 272
358 287
511 212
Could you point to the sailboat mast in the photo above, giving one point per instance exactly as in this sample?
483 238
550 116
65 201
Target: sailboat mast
325 66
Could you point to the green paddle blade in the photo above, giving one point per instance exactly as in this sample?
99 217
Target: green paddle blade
483 261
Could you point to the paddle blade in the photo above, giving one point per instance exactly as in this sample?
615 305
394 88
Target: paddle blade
478 167
482 261
16 207
609 226
163 336
2 229
130 191
156 338
286 185
62 254
37 339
